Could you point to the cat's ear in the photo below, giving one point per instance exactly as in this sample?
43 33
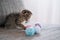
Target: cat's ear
25 12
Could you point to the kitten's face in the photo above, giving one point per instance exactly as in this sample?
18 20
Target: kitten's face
26 14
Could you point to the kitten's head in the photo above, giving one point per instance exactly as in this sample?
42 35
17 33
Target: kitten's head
26 14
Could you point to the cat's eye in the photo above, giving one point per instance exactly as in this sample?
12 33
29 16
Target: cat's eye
24 12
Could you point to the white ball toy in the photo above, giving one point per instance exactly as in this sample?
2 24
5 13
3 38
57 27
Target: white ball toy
37 28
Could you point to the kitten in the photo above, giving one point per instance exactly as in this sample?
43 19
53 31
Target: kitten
15 19
24 16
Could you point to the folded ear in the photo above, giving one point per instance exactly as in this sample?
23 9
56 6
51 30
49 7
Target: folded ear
26 11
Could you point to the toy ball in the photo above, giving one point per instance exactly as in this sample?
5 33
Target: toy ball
37 28
30 31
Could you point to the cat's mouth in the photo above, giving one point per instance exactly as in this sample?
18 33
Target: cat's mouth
26 22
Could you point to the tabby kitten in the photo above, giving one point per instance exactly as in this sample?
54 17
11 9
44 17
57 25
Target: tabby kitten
24 16
15 19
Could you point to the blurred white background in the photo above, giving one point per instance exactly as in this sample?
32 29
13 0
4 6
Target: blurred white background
44 11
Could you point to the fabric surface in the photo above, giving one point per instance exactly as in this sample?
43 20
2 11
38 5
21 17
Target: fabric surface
48 33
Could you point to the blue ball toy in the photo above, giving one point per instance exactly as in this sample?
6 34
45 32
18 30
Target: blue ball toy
30 31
